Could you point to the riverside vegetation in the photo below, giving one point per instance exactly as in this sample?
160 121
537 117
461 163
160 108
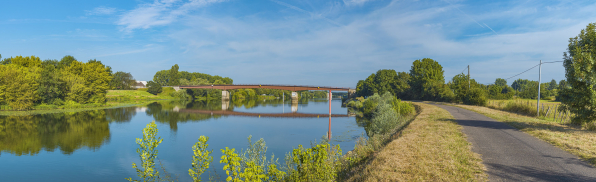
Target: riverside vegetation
385 115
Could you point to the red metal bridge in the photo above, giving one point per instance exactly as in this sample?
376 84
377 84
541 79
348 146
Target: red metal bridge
280 87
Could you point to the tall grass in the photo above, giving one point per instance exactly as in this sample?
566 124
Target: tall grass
549 111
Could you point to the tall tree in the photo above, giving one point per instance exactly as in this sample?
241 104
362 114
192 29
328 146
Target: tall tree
174 76
162 77
385 81
424 74
51 87
552 85
580 71
122 81
501 82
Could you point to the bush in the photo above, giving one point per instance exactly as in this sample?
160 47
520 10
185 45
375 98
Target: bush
154 88
318 163
476 96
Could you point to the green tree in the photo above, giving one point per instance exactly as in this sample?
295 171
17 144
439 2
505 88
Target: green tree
425 77
51 87
402 88
162 77
552 85
97 78
153 88
122 81
580 70
66 61
501 82
174 81
18 87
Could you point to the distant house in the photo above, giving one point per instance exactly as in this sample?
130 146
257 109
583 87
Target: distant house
140 84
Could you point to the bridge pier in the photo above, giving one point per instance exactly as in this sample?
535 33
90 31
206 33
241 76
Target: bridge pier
294 96
225 95
294 106
351 93
176 88
225 104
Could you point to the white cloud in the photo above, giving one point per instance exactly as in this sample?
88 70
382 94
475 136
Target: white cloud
101 11
355 2
388 38
159 13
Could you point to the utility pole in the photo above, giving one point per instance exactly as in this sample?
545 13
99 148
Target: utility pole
539 75
468 77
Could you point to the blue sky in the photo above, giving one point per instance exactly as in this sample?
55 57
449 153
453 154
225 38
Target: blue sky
303 42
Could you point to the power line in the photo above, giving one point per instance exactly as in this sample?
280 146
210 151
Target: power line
532 68
462 71
523 72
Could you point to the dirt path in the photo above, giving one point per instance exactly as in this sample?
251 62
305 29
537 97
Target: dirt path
512 155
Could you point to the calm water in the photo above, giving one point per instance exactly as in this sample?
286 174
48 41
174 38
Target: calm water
100 145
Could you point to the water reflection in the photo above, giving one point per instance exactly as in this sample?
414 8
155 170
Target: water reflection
67 132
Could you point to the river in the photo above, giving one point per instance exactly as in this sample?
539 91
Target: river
99 145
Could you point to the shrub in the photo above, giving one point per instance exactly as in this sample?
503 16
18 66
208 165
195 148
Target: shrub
200 159
314 164
147 153
154 88
476 96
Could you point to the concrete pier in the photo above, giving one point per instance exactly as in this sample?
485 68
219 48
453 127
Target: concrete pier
225 104
225 95
295 96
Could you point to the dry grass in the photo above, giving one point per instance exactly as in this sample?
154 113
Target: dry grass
431 148
571 138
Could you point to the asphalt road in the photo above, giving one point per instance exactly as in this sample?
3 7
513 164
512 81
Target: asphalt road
512 155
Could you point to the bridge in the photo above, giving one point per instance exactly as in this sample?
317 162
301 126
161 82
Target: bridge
272 115
226 95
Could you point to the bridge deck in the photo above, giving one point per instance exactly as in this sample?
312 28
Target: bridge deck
280 115
280 87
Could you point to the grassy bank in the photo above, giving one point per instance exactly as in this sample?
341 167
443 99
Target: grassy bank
108 105
431 148
571 138
140 94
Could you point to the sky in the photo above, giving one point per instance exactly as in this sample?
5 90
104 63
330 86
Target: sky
299 42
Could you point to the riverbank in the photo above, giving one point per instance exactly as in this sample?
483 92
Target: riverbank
430 148
108 105
116 98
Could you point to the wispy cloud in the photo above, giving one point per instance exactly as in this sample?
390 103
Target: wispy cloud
355 2
102 10
313 15
160 12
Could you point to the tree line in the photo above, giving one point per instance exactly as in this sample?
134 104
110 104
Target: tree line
29 81
425 81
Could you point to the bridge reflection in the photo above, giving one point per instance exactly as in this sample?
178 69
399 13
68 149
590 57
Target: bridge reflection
273 115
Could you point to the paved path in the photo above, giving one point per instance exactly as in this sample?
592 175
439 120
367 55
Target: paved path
512 155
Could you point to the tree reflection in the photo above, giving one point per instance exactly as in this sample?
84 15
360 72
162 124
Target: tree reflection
28 135
166 112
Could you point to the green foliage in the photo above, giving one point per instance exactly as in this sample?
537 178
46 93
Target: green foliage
200 159
173 79
552 85
18 86
579 96
231 163
147 153
162 77
426 79
122 81
253 172
501 82
153 88
381 113
476 96
384 81
314 164
51 87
